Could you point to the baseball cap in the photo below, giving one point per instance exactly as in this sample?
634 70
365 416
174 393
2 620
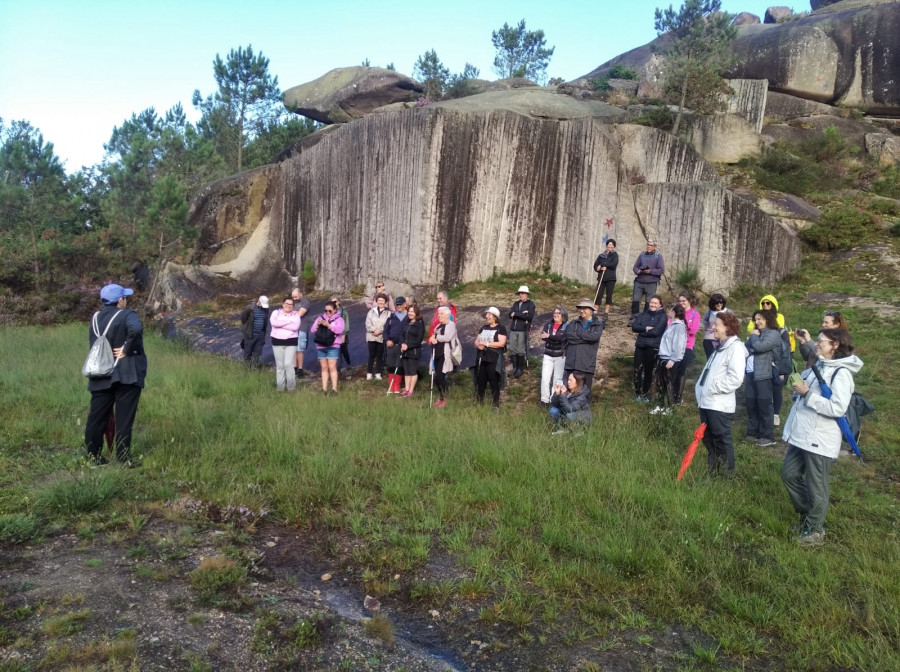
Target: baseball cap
264 301
112 293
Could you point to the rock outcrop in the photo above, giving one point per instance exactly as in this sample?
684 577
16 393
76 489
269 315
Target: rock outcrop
845 53
344 94
746 19
439 195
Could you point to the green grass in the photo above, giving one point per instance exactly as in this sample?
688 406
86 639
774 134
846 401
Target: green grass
566 540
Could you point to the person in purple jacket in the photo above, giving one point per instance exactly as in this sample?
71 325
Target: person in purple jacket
328 354
648 269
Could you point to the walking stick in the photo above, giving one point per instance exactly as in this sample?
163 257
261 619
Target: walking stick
431 400
597 293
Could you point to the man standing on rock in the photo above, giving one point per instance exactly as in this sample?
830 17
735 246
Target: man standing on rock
648 269
118 393
301 305
254 327
521 314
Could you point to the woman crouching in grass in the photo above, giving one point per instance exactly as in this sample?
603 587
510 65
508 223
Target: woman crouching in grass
570 403
812 433
714 391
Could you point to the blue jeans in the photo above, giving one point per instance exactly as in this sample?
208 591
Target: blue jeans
559 416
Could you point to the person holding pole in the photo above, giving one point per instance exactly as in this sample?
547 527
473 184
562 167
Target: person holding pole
605 265
441 360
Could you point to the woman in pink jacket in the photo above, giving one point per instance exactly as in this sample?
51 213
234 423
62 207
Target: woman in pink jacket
692 323
332 321
285 328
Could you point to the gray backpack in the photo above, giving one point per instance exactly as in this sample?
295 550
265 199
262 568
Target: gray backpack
100 362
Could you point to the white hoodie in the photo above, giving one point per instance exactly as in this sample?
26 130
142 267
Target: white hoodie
812 424
722 376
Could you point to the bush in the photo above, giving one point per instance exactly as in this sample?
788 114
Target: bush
688 277
17 528
83 492
661 117
840 227
308 275
889 183
600 84
622 72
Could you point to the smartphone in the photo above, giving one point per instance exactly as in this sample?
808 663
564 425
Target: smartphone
794 378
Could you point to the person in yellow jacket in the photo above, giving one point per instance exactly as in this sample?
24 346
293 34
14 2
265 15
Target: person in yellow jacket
769 302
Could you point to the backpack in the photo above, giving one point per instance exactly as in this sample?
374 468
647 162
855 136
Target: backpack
785 362
856 410
455 351
100 361
324 336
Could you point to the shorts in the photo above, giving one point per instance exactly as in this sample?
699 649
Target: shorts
329 353
301 341
410 367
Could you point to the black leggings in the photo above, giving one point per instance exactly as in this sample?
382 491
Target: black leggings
487 374
440 378
376 357
606 287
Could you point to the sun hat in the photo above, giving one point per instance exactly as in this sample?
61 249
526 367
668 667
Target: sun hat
264 301
112 293
585 303
493 311
523 288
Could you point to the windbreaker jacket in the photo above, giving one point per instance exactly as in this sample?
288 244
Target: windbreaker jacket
579 404
722 376
582 341
765 349
555 343
376 320
336 324
812 424
649 318
611 261
671 347
126 332
656 265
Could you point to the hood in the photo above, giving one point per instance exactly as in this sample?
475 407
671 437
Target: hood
851 363
769 297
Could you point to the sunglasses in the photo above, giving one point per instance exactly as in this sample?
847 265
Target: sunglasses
329 312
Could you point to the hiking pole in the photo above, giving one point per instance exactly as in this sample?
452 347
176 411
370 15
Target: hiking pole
431 400
597 293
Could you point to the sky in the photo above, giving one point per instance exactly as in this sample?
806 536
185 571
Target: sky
78 69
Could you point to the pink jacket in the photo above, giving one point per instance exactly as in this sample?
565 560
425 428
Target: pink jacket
337 326
283 325
692 326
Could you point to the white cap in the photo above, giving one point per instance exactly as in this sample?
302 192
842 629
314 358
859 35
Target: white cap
493 311
523 288
264 301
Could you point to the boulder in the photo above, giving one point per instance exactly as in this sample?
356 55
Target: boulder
467 189
818 4
883 147
778 14
788 206
784 107
535 102
844 53
807 128
746 19
722 138
344 94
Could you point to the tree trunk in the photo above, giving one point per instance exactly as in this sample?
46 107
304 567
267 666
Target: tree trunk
35 264
684 87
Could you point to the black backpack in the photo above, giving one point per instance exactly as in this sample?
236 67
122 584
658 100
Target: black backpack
785 363
324 336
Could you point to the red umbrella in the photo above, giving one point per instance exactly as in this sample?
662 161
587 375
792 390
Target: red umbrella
689 455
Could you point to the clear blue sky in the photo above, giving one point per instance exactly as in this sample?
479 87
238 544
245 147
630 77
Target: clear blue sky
77 68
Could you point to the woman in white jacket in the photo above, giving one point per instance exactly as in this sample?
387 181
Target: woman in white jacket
812 433
714 391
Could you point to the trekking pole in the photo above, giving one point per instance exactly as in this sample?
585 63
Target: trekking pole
597 293
431 400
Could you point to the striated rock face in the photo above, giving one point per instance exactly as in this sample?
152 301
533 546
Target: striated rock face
845 53
344 94
436 196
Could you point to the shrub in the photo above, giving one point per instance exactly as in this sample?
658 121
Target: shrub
216 576
889 183
308 274
660 117
622 72
688 277
840 227
600 83
17 528
884 207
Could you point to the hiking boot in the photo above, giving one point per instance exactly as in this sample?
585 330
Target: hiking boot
811 538
97 461
764 443
300 373
517 373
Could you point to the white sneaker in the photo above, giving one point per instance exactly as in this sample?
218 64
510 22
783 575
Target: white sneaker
778 421
368 376
377 376
656 410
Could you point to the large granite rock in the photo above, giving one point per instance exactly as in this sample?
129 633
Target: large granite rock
844 53
883 147
784 107
344 94
778 14
440 195
746 19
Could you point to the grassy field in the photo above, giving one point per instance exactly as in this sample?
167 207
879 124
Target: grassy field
570 539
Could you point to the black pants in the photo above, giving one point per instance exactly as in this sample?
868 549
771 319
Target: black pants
760 408
718 441
440 378
644 364
681 375
606 287
122 400
253 349
487 374
345 350
665 382
376 357
777 396
708 346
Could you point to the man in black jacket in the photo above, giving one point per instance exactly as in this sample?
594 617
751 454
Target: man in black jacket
521 314
119 393
582 341
254 327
